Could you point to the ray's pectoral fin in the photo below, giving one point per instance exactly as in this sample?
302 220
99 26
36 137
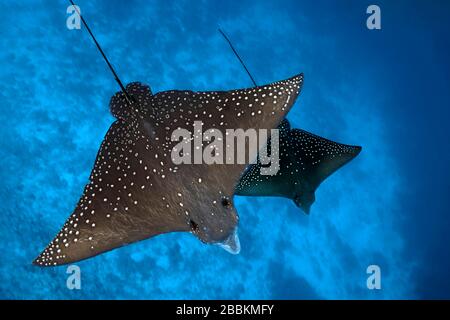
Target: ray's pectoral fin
330 164
113 210
336 156
318 159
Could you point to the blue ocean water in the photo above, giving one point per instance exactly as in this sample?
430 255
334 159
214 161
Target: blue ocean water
387 90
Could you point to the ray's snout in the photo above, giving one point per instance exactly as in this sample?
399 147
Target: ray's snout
232 243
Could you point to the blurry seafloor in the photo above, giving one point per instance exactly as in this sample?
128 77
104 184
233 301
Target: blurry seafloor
385 90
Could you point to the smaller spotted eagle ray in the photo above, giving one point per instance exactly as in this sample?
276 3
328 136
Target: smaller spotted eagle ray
306 160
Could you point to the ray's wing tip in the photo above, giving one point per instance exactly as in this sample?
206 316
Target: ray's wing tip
47 259
298 78
292 86
35 262
297 81
38 261
357 150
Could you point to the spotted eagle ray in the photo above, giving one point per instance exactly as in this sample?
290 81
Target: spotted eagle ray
136 192
306 160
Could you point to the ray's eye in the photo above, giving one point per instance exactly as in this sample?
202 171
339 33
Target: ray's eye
226 202
194 225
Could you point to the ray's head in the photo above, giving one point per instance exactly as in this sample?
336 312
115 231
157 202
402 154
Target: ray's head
140 94
219 225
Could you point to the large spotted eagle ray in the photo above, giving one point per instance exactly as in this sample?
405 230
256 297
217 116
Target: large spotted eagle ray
136 192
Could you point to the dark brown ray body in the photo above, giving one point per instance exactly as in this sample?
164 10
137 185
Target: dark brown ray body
136 192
